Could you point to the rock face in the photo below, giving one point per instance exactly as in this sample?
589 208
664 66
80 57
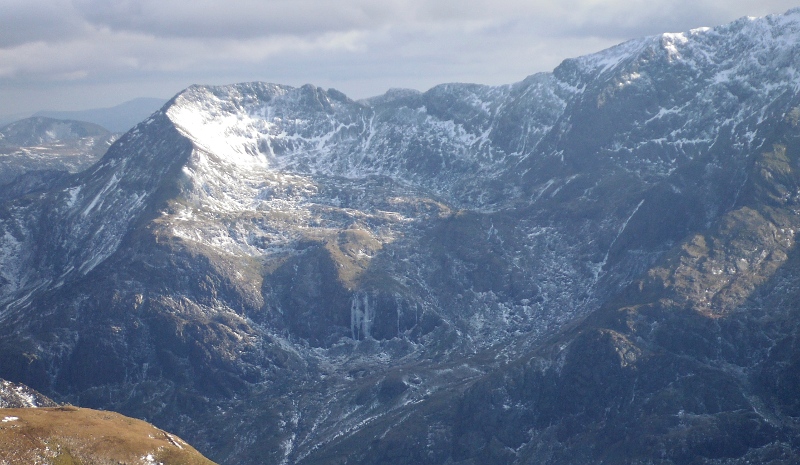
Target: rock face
592 265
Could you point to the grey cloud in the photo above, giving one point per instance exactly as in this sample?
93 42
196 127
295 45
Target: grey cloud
23 21
361 47
630 19
235 18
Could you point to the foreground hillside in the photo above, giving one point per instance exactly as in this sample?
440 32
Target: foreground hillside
594 265
70 435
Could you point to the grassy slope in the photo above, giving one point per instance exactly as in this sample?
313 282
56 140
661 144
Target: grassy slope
70 435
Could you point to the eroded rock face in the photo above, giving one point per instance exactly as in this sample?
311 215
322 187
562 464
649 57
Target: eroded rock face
592 264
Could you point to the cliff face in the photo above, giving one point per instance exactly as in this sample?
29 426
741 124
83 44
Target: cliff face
592 264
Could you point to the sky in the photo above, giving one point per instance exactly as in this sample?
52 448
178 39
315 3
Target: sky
81 54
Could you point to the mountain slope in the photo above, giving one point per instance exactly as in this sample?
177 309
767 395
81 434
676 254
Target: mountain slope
595 264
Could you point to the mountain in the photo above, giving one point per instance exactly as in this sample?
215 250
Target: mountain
118 118
593 265
36 147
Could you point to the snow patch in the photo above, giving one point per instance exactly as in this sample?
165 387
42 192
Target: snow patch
150 460
108 187
361 317
26 397
73 196
671 42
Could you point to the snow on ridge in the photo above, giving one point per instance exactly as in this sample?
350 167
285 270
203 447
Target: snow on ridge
286 132
14 395
230 135
271 129
779 29
671 41
740 70
254 182
611 58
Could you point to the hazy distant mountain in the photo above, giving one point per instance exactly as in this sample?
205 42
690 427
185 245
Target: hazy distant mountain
8 119
593 265
118 118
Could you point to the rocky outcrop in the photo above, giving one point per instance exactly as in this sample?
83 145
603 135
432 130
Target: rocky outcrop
13 395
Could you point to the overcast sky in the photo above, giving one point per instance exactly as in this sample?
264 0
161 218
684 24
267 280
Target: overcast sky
79 54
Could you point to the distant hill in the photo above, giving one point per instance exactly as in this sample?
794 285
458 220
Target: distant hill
40 144
118 118
40 130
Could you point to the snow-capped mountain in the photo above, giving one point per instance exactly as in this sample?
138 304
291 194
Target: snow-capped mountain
592 264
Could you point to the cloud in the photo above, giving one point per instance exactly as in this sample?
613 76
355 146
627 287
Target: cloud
25 21
240 18
361 47
112 53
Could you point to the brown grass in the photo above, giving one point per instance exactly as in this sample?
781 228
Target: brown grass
76 436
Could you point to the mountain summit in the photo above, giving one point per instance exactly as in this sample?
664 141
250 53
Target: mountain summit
592 265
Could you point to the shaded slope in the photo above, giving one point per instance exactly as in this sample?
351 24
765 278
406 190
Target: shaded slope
692 363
